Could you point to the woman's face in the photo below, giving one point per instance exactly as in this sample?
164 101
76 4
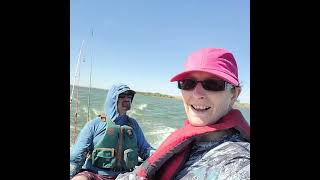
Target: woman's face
205 107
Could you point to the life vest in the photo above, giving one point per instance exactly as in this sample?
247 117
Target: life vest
118 149
173 152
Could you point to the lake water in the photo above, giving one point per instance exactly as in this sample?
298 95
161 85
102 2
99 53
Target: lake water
157 117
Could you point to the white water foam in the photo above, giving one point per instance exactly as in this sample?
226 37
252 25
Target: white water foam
142 106
161 134
85 109
162 131
95 111
133 112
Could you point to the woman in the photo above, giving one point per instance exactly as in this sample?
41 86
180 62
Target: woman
214 142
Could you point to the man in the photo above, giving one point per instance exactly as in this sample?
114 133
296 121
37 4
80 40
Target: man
109 145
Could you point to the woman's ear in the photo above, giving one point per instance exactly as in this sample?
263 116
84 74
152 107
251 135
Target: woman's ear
235 93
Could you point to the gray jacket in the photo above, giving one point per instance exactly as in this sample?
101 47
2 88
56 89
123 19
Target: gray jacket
228 158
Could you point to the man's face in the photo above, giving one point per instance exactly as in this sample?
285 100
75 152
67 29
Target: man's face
124 102
205 107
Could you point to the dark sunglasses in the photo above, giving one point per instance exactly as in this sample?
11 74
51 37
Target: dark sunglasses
208 84
123 95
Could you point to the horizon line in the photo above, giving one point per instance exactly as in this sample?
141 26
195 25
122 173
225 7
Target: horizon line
147 92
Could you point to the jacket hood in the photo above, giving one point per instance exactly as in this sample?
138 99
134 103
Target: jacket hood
110 106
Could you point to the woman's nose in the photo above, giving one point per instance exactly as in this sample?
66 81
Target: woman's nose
198 91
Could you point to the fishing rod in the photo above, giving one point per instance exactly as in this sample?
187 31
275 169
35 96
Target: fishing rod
76 113
88 117
75 76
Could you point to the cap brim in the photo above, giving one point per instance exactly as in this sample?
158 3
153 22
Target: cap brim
217 73
129 91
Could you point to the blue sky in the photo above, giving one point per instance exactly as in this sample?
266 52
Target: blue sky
143 43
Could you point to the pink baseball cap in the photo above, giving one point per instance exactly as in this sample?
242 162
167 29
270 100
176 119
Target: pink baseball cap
216 61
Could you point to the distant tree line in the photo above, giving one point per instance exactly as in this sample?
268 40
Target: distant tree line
155 94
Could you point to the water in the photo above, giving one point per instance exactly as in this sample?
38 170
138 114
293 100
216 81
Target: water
157 117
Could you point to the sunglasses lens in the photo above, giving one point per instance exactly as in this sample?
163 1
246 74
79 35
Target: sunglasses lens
122 95
209 84
213 85
187 84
